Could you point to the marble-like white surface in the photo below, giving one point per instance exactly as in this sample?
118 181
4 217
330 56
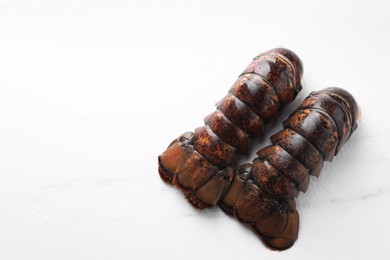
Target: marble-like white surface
92 91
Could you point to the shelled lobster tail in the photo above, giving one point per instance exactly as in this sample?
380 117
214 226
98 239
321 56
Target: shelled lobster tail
202 163
262 194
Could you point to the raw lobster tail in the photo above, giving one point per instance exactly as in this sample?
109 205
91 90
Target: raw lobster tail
200 163
262 193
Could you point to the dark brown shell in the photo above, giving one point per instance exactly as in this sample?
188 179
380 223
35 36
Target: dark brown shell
314 133
206 158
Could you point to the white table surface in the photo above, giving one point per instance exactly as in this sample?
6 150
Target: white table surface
92 91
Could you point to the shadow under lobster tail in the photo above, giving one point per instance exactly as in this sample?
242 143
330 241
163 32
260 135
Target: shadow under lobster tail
262 194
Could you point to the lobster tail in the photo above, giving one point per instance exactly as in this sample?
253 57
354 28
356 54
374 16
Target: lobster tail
315 132
269 83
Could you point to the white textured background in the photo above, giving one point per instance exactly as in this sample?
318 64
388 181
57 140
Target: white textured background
92 91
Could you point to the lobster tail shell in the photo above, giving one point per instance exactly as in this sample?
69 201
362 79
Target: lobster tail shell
315 132
269 83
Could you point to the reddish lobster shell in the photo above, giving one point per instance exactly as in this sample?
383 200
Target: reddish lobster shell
262 193
202 163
